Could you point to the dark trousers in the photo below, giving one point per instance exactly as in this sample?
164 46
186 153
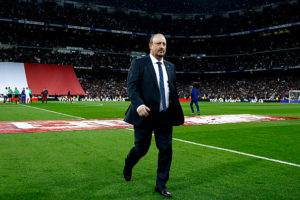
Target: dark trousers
23 99
16 98
44 98
196 103
142 141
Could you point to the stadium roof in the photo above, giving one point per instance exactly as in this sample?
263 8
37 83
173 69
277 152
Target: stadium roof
183 6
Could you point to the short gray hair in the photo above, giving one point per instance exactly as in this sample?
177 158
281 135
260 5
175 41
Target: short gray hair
151 39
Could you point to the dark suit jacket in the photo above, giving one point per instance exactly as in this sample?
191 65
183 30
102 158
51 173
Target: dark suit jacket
194 94
143 88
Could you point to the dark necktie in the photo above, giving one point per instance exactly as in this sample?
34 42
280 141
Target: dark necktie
162 87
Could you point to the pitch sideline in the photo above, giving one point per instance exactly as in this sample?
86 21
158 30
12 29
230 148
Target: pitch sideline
194 143
238 152
52 111
233 151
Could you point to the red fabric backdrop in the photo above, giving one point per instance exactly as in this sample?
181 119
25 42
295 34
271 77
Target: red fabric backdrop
57 79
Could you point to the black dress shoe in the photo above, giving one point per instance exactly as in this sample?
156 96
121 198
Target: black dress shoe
164 192
127 174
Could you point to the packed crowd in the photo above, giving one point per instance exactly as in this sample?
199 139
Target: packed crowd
47 56
108 51
271 60
43 37
50 12
103 85
261 86
267 85
35 44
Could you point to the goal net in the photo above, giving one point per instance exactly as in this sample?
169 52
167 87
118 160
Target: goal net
294 96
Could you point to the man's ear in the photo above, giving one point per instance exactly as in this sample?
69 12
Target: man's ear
150 46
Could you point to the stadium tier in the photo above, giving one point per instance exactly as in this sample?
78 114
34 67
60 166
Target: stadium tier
90 15
259 39
109 111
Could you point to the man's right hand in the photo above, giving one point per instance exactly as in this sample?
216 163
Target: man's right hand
143 111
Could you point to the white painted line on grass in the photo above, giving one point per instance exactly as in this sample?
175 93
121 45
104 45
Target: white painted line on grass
237 152
52 111
233 151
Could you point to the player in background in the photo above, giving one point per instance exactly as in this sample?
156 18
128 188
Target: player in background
5 95
44 95
194 99
23 96
64 99
69 96
30 95
27 96
16 95
9 94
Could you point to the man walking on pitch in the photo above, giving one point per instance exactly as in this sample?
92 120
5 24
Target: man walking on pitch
151 84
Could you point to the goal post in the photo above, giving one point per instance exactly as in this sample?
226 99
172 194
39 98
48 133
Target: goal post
294 96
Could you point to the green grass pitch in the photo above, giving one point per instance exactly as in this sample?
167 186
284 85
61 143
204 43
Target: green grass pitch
88 164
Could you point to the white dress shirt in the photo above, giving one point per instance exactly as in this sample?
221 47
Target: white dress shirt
165 75
166 84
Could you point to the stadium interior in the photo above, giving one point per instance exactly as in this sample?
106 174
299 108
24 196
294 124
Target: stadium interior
242 142
233 50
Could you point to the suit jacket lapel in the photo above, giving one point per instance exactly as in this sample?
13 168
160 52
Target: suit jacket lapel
168 69
152 72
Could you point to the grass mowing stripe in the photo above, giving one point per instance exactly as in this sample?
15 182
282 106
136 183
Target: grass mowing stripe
52 111
233 151
237 152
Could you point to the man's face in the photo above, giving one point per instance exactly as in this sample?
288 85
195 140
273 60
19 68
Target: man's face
159 47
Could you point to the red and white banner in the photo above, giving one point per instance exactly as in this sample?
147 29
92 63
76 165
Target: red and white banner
57 79
89 124
12 75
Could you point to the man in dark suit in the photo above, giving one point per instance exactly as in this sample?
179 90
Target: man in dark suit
151 84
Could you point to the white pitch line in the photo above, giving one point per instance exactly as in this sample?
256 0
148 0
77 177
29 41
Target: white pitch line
52 111
233 151
238 152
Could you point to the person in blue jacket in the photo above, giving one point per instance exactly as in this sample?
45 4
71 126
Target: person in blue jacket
194 99
23 96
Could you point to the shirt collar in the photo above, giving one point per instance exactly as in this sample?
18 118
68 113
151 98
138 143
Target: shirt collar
154 60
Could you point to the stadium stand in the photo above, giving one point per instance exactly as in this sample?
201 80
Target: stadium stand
51 12
267 85
182 6
255 42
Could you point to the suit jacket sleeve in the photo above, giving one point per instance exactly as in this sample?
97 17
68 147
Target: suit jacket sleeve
133 84
176 112
173 82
